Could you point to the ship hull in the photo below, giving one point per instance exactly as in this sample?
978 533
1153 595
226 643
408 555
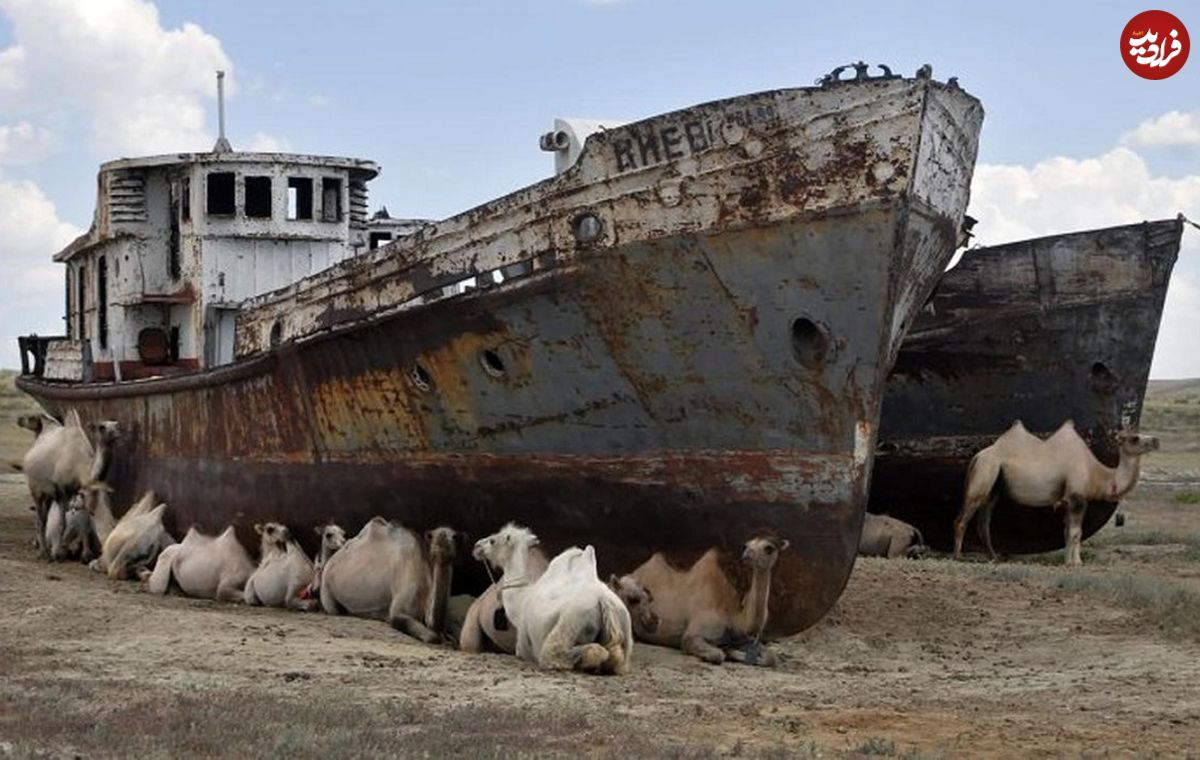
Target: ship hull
711 363
1040 331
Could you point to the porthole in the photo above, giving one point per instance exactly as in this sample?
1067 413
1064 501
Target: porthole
421 378
491 363
809 342
276 333
587 228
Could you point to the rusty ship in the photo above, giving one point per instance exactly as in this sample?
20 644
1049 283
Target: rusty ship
680 339
1045 330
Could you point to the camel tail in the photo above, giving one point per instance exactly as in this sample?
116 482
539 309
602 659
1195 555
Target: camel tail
615 636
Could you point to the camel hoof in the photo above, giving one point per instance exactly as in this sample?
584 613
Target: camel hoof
592 657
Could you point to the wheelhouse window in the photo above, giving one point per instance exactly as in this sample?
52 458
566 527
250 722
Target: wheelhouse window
331 199
221 194
379 238
102 301
185 199
300 198
80 300
258 197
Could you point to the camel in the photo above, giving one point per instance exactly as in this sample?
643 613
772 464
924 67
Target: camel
701 611
386 572
480 627
37 422
1059 472
332 539
206 567
284 571
638 600
52 531
135 541
567 619
80 540
63 459
885 536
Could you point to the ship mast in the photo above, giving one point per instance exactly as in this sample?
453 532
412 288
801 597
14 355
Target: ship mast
222 145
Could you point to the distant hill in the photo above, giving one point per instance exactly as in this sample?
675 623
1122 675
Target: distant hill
1174 390
1172 406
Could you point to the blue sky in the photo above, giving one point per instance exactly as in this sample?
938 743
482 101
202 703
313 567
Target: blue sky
449 97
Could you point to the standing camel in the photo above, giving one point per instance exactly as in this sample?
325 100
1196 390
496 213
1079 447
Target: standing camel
1059 472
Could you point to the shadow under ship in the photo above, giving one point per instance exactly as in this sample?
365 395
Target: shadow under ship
1042 331
681 339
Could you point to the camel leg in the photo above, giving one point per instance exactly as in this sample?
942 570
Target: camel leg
1076 508
984 523
560 651
410 625
982 473
228 591
762 656
160 580
524 644
697 646
41 507
471 637
249 596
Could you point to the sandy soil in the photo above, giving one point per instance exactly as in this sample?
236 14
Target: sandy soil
920 658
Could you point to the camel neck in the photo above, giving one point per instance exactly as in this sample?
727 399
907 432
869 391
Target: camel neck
102 518
99 461
439 596
754 607
1125 477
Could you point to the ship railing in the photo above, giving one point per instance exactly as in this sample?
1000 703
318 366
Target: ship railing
54 357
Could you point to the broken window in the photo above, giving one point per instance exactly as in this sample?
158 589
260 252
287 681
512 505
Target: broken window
300 198
379 238
221 194
258 197
185 198
176 211
331 199
80 299
102 301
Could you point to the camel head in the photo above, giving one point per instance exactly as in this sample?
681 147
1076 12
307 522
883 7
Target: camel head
333 537
499 548
637 599
32 422
274 536
445 545
106 431
762 550
1133 444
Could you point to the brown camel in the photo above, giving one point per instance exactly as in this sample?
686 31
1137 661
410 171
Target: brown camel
1059 472
701 611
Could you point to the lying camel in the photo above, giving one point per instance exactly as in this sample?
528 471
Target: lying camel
135 541
567 619
479 626
79 539
885 536
63 459
284 571
701 611
1059 472
386 572
206 567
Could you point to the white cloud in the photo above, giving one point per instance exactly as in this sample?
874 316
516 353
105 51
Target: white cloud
261 142
31 292
142 88
1067 194
1173 129
25 143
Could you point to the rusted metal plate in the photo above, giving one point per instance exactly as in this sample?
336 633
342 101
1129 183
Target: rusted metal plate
711 363
1044 330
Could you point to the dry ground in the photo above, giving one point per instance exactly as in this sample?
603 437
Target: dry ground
926 658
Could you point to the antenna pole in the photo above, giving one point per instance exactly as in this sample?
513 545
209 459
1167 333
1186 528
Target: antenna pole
222 145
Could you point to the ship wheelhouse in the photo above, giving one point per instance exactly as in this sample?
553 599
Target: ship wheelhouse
178 241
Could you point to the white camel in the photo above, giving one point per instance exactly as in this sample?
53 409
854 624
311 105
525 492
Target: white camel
63 459
886 536
479 625
206 567
1059 472
135 541
387 573
333 538
568 619
284 571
